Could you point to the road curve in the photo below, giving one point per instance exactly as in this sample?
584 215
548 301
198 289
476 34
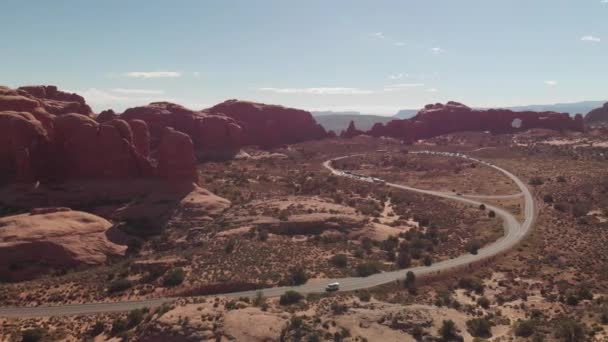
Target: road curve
514 232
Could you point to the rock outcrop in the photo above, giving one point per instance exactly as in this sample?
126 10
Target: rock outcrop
33 243
23 147
598 115
50 135
176 160
440 119
214 136
270 125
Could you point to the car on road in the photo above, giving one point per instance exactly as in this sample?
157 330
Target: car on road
332 287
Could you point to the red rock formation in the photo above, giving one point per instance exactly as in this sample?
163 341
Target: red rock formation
47 239
87 149
270 125
351 131
141 136
598 115
57 102
440 119
176 160
214 136
23 146
106 116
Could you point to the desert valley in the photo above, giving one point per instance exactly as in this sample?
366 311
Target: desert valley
164 223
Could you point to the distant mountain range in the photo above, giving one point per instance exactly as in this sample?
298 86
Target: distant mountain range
338 121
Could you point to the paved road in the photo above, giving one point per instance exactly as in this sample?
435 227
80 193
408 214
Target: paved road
514 232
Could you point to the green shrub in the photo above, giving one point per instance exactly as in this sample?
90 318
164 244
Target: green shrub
339 260
174 277
33 335
525 328
483 302
290 297
473 246
119 285
367 268
297 276
97 328
480 327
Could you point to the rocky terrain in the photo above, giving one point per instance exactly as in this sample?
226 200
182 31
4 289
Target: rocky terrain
164 201
598 115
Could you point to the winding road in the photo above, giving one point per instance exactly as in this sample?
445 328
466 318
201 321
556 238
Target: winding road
514 233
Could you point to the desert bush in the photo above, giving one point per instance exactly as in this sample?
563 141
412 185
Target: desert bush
367 268
97 328
480 327
119 285
448 331
364 296
548 198
569 330
535 181
471 284
339 260
491 214
473 246
174 277
525 328
290 297
410 282
297 276
118 325
483 302
134 318
403 260
33 335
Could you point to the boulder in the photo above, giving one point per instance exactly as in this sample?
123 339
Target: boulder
270 125
31 244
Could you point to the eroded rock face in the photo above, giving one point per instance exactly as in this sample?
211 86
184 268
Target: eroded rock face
598 115
213 136
87 149
23 146
438 119
176 160
57 102
270 125
33 243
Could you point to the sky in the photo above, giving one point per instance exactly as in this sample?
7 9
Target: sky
371 56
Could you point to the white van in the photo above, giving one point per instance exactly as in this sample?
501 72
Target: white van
332 287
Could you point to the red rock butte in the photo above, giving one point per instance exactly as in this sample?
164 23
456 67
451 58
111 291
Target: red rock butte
438 119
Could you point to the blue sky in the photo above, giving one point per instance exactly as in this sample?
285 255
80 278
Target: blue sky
372 56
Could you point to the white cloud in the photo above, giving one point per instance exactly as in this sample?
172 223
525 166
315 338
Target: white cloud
437 50
196 74
153 74
402 86
102 99
319 91
551 83
399 43
604 1
397 76
379 35
432 90
590 39
137 91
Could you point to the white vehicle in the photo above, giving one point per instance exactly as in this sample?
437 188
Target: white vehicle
332 287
